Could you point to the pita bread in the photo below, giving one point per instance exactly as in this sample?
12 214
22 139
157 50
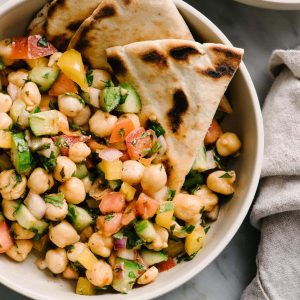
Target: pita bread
121 22
181 84
59 20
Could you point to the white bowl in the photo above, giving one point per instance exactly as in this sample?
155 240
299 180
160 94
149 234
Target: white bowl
274 4
247 121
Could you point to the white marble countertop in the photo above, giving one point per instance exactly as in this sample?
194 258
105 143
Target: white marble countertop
259 31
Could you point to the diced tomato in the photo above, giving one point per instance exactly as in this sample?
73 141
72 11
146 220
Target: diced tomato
112 203
110 154
129 214
121 130
125 156
166 265
6 241
213 133
62 85
146 207
31 47
109 224
64 142
138 142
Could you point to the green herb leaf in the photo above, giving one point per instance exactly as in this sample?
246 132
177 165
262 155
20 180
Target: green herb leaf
90 77
189 229
46 75
157 128
18 177
119 235
206 229
109 84
76 127
55 199
192 181
171 194
62 173
2 65
218 160
72 213
131 275
42 42
121 133
49 163
226 175
52 105
36 110
109 217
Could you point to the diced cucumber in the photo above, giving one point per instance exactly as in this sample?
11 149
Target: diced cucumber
110 98
44 77
126 273
44 123
28 221
81 171
204 160
79 217
5 162
145 230
20 153
153 257
132 102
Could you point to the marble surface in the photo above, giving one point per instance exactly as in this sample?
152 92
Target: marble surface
259 31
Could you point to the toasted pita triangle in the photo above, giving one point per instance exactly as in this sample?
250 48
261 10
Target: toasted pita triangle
181 84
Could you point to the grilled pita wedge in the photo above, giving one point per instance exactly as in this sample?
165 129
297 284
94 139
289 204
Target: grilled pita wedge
121 22
181 84
59 20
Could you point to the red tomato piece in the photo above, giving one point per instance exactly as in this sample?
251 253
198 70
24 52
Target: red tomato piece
166 265
19 48
138 141
129 214
112 203
146 207
62 85
109 224
6 241
121 130
64 142
213 133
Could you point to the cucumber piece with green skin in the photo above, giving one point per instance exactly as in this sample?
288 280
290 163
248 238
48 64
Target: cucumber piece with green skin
132 102
81 171
145 230
204 160
152 257
44 123
44 77
126 273
110 98
79 217
28 221
20 153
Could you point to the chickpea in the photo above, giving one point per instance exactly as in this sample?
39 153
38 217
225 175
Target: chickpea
64 169
100 275
39 181
63 234
134 118
100 245
20 250
70 273
178 230
10 185
149 276
20 233
154 178
74 190
228 144
45 102
52 148
86 233
54 58
87 182
161 195
213 214
31 95
161 240
41 264
56 213
19 114
13 91
132 172
94 95
112 259
82 118
207 198
187 207
100 77
8 208
75 251
102 123
5 103
63 124
69 105
5 121
79 152
56 260
18 78
36 204
218 183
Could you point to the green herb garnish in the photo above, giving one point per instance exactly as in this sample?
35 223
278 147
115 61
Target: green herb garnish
226 175
55 199
157 128
42 42
90 77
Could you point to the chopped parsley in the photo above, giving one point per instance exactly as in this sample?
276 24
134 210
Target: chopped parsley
52 105
109 217
206 229
192 181
55 199
62 173
218 160
76 127
2 65
131 275
157 128
46 75
109 84
189 229
121 133
49 163
90 77
171 194
226 175
119 235
36 110
42 42
18 177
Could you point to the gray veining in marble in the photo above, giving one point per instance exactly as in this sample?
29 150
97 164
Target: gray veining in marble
259 31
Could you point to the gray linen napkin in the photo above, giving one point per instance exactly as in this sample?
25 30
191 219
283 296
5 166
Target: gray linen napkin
277 208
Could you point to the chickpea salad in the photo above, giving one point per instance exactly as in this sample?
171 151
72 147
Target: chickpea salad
82 182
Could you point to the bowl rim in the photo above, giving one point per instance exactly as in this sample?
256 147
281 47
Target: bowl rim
7 6
273 4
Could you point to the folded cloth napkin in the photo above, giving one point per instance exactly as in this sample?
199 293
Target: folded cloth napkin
277 209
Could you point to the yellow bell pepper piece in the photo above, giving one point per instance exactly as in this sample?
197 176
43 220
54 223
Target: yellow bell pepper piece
72 66
128 191
195 240
111 169
87 259
165 214
5 139
84 287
